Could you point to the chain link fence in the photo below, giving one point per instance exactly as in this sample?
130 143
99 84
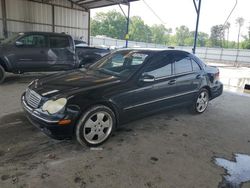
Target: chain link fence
232 57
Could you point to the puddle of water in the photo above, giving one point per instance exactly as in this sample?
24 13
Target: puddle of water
237 171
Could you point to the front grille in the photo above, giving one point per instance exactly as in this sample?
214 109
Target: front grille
32 98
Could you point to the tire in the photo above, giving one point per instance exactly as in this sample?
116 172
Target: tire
95 126
2 74
201 101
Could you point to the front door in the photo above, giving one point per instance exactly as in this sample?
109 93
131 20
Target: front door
31 53
154 90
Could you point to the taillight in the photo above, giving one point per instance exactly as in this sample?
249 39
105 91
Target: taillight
217 75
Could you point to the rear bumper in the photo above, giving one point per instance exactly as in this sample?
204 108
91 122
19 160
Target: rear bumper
217 90
49 125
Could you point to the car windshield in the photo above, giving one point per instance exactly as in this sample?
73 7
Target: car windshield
121 63
11 39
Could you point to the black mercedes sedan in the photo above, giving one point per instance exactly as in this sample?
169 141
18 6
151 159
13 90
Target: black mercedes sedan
128 84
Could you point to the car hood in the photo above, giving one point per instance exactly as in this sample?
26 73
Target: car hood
68 83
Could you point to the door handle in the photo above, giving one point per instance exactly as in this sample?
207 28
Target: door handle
171 82
198 76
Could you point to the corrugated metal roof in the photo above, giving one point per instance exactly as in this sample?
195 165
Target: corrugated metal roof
91 4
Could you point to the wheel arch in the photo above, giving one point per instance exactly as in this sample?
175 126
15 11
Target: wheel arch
108 104
208 89
112 106
3 64
6 64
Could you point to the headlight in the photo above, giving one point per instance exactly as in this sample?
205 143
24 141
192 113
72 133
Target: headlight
32 82
54 106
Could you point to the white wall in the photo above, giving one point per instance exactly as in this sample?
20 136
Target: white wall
24 15
1 23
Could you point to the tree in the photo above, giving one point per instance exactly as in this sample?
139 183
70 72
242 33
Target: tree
246 43
158 34
217 36
182 35
202 39
240 23
139 31
111 24
227 27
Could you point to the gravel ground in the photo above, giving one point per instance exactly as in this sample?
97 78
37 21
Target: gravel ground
173 149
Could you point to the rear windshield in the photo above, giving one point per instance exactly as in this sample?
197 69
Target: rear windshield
59 42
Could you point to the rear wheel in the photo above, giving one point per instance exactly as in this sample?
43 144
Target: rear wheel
201 102
2 74
95 126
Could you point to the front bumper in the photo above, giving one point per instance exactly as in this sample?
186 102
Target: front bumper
48 124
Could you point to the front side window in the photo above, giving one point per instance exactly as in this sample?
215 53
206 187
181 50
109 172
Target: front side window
37 41
196 67
183 64
160 67
121 63
59 42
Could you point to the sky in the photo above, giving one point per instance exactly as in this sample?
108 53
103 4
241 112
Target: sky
175 13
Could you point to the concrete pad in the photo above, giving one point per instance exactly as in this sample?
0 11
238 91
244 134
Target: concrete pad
171 149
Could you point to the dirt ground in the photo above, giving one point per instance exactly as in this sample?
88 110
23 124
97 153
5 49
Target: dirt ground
173 149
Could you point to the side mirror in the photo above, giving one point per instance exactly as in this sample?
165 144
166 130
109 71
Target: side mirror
147 78
85 65
18 43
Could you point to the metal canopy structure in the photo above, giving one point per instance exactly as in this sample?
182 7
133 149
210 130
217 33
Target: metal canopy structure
91 4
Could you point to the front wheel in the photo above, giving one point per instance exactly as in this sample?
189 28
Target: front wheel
95 126
201 102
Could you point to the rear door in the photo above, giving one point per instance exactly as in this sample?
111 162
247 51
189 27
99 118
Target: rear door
188 76
31 53
61 53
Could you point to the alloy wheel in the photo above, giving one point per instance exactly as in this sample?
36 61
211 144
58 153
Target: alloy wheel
202 101
98 127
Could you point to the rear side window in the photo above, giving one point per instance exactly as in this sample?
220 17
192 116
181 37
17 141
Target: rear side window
183 64
160 67
37 41
59 42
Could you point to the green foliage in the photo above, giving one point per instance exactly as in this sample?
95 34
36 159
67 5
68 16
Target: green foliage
246 43
158 34
113 24
217 36
139 31
182 35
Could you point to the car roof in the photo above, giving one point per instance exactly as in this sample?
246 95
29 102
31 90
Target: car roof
44 33
152 50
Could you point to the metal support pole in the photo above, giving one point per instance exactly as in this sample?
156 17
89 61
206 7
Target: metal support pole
53 18
4 16
127 30
197 23
89 28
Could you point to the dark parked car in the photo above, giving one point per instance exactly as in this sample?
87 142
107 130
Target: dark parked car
89 55
122 86
36 52
80 43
